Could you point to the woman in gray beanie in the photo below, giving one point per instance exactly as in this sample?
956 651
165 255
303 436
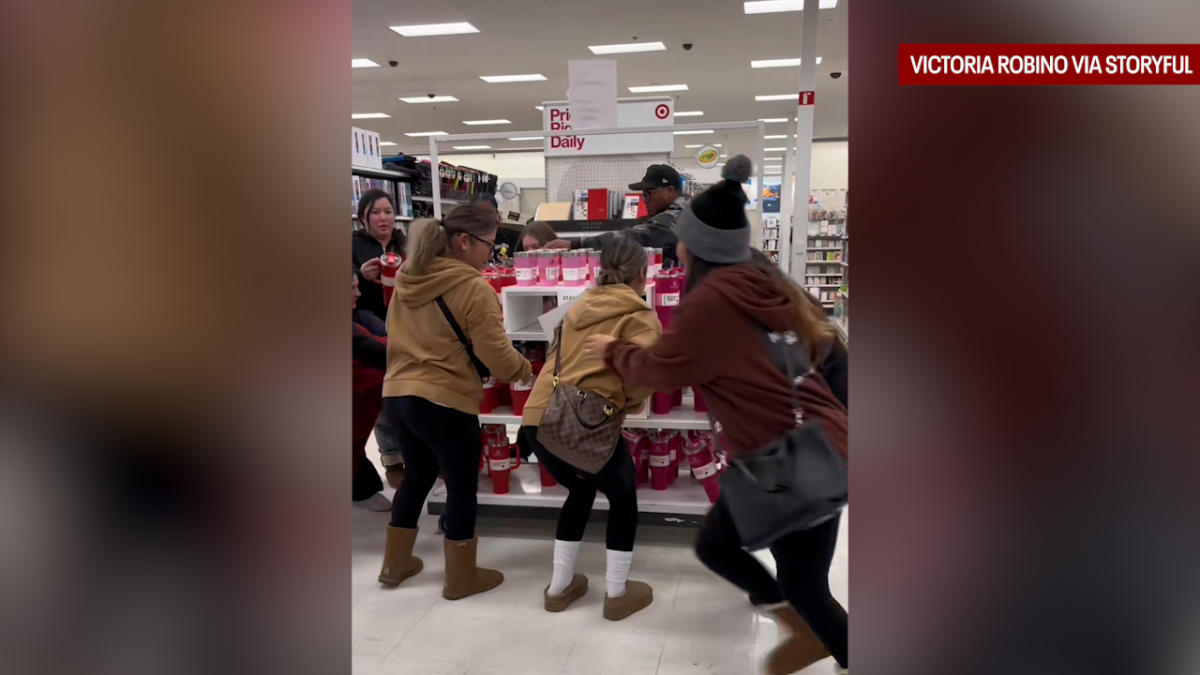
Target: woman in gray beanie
717 345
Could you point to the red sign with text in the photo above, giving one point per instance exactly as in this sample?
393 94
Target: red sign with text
1048 64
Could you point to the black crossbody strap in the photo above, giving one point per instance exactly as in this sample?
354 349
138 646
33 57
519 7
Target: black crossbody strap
462 337
557 352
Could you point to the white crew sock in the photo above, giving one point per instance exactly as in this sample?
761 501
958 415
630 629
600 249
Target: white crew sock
619 563
565 555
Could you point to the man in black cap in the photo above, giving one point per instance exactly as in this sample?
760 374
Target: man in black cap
660 193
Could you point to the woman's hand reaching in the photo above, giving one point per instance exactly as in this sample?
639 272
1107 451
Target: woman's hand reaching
597 346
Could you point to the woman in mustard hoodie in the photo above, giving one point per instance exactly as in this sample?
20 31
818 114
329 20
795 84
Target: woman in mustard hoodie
614 307
444 327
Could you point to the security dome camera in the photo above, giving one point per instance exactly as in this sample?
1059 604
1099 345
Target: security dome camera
431 95
393 63
687 46
835 75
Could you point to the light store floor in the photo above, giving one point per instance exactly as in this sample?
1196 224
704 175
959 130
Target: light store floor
698 623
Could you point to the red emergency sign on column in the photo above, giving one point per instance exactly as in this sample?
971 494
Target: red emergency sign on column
807 97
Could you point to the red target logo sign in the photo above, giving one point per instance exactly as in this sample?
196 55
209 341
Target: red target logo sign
661 111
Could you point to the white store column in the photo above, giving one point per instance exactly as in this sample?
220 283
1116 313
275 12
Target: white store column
801 154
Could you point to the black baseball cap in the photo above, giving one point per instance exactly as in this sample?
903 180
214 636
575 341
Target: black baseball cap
658 175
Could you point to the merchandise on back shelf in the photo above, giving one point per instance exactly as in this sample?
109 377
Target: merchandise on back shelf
500 465
660 460
549 267
702 461
489 402
526 267
574 267
638 444
594 264
581 205
634 207
520 394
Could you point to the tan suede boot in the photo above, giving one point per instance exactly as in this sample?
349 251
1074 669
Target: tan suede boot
638 596
398 561
800 650
574 591
463 577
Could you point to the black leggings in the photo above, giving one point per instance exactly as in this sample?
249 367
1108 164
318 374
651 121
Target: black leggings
615 480
802 566
434 438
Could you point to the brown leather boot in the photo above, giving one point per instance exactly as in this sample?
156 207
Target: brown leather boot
800 650
638 596
463 577
398 561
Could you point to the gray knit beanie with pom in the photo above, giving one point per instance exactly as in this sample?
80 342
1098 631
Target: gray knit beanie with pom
714 225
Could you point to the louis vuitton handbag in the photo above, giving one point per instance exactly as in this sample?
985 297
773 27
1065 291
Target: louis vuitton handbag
580 427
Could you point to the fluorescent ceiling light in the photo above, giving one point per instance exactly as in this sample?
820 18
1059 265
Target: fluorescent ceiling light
382 143
368 116
426 133
776 97
689 113
778 63
775 136
771 120
701 145
363 63
628 47
536 147
694 132
526 138
428 99
427 29
530 77
539 108
650 88
772 159
476 123
775 149
472 147
769 6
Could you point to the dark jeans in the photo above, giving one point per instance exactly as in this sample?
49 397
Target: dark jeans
615 480
365 482
802 566
435 439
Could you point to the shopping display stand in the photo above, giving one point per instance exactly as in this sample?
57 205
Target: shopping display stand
684 502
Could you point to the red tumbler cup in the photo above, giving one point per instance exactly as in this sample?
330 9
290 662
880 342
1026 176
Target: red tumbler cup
547 479
498 467
489 402
520 394
638 444
660 402
389 264
698 401
660 461
703 464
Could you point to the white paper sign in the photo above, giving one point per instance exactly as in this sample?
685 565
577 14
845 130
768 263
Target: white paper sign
642 112
550 320
592 91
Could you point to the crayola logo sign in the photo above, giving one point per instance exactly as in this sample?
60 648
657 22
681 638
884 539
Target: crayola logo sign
707 157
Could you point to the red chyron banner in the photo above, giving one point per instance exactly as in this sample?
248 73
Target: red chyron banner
1040 64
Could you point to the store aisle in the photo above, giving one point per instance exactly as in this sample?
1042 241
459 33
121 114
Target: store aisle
697 624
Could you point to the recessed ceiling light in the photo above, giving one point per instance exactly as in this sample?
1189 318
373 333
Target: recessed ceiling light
476 123
771 120
472 147
363 63
650 88
526 138
538 107
368 116
694 132
427 29
775 149
386 143
530 77
775 97
778 63
768 6
628 47
689 113
426 133
428 99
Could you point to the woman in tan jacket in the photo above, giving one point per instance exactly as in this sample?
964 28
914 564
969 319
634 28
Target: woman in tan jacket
615 307
433 388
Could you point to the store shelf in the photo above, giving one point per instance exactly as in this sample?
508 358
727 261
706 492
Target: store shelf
445 200
530 333
827 304
822 262
844 332
823 285
682 417
684 503
816 248
381 173
826 236
823 275
845 264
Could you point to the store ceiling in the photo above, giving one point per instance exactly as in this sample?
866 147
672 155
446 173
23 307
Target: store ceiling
540 36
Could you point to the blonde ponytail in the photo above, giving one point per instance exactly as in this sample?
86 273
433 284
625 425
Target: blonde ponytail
427 240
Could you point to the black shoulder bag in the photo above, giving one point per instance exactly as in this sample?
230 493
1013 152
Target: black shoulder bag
483 371
793 483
